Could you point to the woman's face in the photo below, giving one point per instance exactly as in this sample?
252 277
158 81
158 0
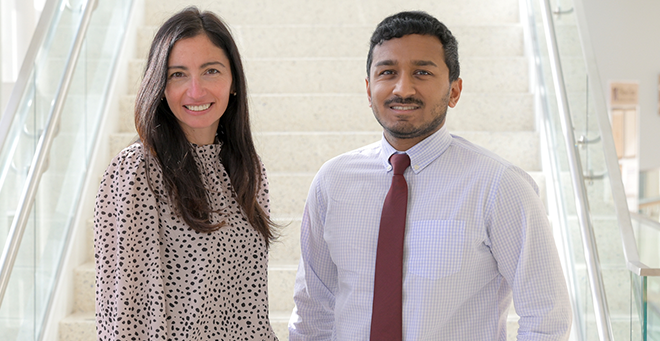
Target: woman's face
199 82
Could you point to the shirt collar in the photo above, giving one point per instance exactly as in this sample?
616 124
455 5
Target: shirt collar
421 154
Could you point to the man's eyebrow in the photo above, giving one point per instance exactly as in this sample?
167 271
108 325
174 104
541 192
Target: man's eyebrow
424 63
387 62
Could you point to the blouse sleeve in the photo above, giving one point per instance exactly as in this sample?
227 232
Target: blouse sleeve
263 193
129 283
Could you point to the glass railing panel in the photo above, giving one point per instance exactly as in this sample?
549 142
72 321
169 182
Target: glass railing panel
616 276
647 293
17 154
28 123
36 268
652 326
563 209
640 306
622 302
602 213
647 235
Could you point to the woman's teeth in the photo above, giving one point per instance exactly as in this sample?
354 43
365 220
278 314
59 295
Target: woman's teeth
198 107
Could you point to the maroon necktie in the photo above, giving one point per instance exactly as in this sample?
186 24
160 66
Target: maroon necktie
386 318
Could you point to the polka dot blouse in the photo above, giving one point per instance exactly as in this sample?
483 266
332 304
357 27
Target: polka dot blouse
157 279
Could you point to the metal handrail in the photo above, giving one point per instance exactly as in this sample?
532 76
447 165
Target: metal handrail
21 85
41 154
601 309
555 206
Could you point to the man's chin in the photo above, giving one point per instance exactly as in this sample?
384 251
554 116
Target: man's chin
405 133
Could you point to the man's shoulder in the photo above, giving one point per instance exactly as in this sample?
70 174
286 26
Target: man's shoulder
478 154
354 159
487 163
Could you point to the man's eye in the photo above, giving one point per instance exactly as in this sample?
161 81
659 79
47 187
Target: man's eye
422 72
387 72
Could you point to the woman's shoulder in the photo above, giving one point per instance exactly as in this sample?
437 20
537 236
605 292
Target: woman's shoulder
128 169
133 155
131 161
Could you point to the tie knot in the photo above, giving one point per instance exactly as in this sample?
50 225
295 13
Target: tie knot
399 163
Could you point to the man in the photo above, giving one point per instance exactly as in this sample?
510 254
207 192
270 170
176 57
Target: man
476 232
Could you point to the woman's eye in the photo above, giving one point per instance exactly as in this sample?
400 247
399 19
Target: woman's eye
212 71
176 75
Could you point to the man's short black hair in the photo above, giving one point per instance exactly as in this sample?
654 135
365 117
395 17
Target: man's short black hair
417 22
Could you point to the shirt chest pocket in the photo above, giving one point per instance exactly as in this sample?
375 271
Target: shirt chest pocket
435 247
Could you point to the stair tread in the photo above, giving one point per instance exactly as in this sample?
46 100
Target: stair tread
80 316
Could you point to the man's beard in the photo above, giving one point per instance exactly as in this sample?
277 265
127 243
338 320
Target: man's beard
402 130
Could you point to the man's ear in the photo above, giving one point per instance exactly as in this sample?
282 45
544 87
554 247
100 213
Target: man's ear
455 92
368 91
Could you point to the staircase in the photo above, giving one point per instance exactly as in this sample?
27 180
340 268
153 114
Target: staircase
305 65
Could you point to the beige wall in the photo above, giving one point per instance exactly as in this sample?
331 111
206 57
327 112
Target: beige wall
625 36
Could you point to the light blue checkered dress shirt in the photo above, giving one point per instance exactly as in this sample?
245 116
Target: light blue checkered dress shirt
477 235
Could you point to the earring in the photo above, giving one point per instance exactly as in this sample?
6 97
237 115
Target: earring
233 93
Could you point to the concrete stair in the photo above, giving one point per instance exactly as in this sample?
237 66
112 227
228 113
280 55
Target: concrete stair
305 64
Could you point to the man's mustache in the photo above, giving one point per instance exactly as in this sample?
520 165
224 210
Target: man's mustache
407 100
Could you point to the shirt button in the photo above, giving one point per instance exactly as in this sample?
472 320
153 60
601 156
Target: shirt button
389 168
416 167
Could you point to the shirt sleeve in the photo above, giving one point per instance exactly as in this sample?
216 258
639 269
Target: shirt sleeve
129 284
523 246
316 280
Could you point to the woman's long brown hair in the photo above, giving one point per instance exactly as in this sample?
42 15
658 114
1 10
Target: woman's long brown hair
164 140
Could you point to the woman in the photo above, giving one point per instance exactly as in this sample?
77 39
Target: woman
181 220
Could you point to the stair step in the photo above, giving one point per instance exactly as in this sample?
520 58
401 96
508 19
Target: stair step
279 321
288 192
84 288
340 12
286 250
78 327
281 280
300 41
119 141
127 114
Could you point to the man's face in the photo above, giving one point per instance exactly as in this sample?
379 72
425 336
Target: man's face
409 89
